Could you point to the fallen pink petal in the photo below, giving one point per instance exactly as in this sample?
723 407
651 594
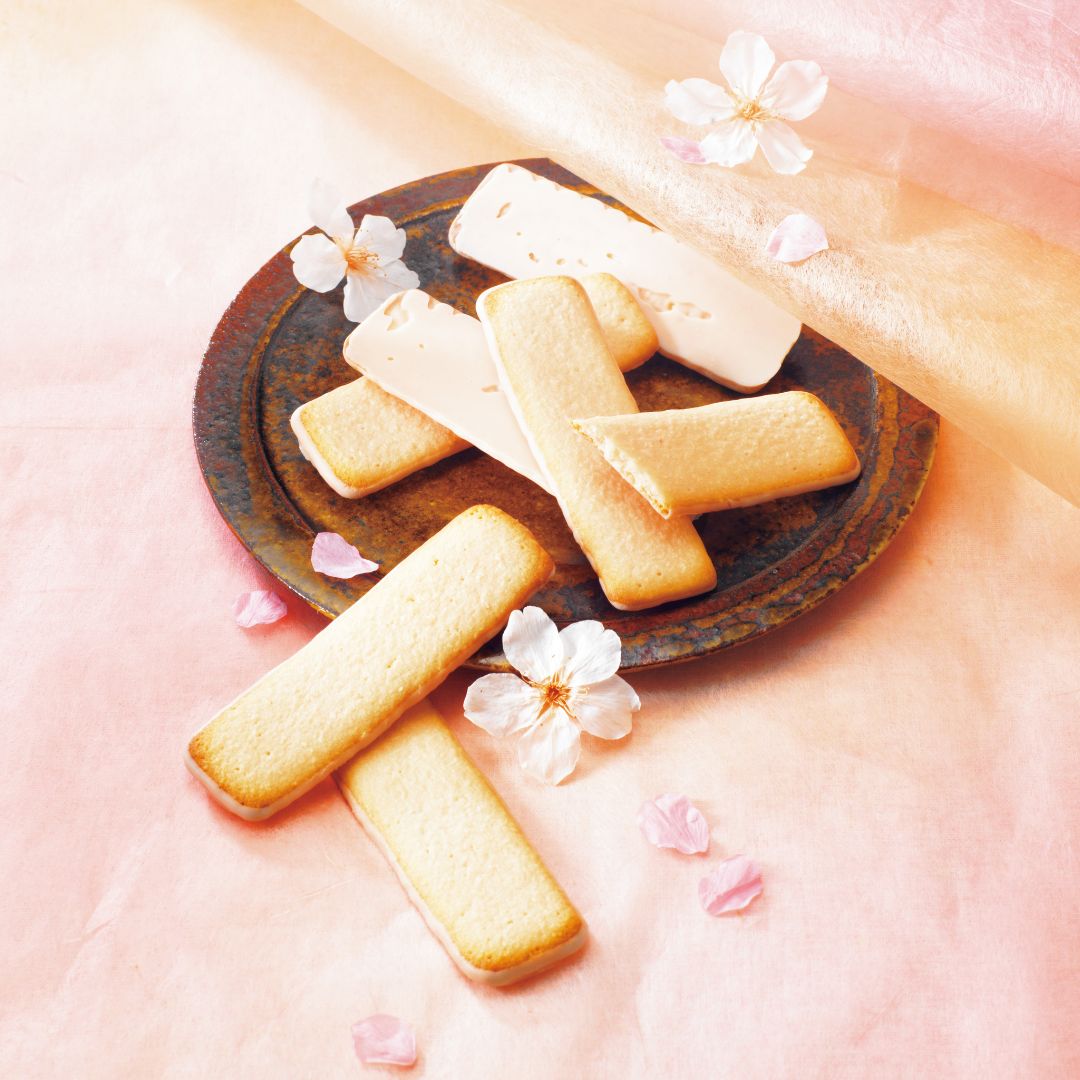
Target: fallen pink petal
384 1040
688 150
673 821
731 886
796 238
257 608
333 555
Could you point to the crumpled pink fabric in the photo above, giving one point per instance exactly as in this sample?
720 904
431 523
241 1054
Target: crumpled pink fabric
902 761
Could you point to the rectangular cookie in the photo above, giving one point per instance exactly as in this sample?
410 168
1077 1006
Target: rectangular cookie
360 439
524 225
554 365
354 678
732 453
462 859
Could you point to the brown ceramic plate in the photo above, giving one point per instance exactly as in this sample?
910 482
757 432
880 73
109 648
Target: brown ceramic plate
279 345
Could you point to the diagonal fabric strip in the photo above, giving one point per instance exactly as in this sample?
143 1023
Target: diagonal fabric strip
970 313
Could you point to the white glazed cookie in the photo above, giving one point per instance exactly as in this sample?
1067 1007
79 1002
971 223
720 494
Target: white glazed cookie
361 439
732 453
524 225
554 365
399 641
461 857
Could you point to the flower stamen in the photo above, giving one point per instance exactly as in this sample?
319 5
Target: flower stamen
555 695
751 110
359 257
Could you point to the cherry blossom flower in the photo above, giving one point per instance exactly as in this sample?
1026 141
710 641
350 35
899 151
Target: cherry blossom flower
567 684
751 109
369 258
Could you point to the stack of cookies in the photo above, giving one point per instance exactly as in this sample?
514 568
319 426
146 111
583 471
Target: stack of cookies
537 383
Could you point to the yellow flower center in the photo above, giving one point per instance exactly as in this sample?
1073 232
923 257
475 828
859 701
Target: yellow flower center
751 110
553 695
358 257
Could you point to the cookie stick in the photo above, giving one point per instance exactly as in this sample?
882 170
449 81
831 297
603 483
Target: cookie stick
399 641
731 453
361 439
554 365
460 856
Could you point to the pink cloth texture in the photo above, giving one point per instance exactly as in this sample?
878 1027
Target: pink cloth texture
902 763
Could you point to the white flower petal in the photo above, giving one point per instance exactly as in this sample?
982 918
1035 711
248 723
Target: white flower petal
604 709
329 212
746 62
783 149
318 262
550 750
796 89
591 653
531 643
502 704
381 237
399 274
730 144
797 237
364 292
698 101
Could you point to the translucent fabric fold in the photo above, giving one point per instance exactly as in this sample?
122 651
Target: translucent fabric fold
953 216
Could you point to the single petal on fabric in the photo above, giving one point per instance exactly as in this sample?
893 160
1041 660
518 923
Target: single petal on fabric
318 262
697 101
746 62
384 1040
783 149
381 237
796 89
731 886
257 608
605 709
397 273
591 653
364 292
334 556
730 144
673 821
797 237
502 704
688 150
549 751
531 643
329 212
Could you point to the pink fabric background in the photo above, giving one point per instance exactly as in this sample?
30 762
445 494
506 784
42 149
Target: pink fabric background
902 762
